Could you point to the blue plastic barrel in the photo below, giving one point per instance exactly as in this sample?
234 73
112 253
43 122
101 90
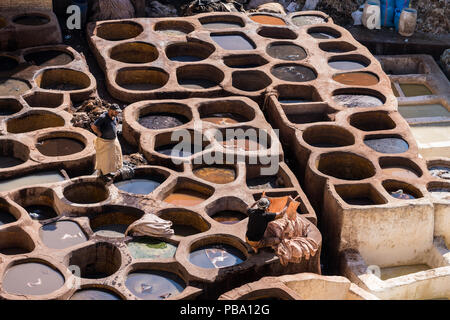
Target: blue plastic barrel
387 12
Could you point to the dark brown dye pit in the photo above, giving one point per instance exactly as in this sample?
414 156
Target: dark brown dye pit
30 20
225 118
295 73
283 51
307 118
32 279
38 212
7 63
402 195
322 35
347 65
229 217
233 42
62 234
196 83
217 175
162 120
13 87
6 217
56 147
387 145
183 230
363 201
8 162
265 182
216 256
154 284
49 58
94 294
357 100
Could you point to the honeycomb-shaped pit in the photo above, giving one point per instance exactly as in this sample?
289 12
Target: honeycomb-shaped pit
159 116
45 99
216 173
187 193
154 284
244 61
117 31
189 51
134 52
94 293
141 79
277 33
13 87
226 112
401 190
253 80
48 58
227 210
12 153
372 121
386 143
113 221
244 139
174 27
357 78
324 33
61 144
32 278
358 98
233 41
348 62
151 248
40 211
324 136
31 19
32 121
185 222
63 80
221 22
96 261
198 77
293 94
258 180
286 51
8 63
308 19
62 234
181 144
144 181
293 72
400 168
360 195
345 166
267 19
86 192
337 46
217 252
15 241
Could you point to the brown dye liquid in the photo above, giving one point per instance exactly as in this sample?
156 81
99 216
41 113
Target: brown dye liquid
400 172
62 234
356 79
185 197
229 217
31 20
48 58
56 147
265 19
294 73
8 162
414 90
225 118
13 87
162 120
32 279
290 52
233 42
216 174
184 230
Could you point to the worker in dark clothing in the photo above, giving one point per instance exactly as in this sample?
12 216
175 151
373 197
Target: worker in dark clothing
258 219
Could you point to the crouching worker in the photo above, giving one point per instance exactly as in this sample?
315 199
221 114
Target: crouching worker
107 146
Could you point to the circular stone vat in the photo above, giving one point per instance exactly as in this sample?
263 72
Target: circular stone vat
31 19
337 47
267 19
293 72
32 279
233 41
229 217
304 20
9 107
162 120
134 52
277 33
154 284
254 80
62 234
86 192
114 222
328 137
12 153
286 51
216 255
6 217
13 87
141 79
349 62
117 31
387 144
199 76
150 248
184 222
94 294
62 80
324 33
244 61
401 190
139 185
58 147
216 174
189 51
34 121
15 241
41 212
174 28
345 166
47 58
221 22
358 99
372 121
357 78
400 168
8 63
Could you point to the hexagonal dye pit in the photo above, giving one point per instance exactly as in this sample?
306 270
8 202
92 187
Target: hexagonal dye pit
134 52
41 212
189 51
31 19
63 80
267 19
328 136
47 58
293 72
32 278
9 107
184 222
34 121
360 195
233 41
139 186
357 78
94 294
214 256
186 198
114 221
86 192
141 79
244 61
286 51
15 241
372 121
154 284
346 166
387 144
62 234
199 76
13 87
150 248
216 174
57 147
